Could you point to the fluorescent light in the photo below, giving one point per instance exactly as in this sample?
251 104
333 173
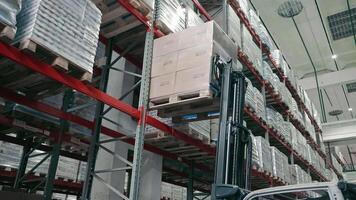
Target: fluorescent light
334 56
350 109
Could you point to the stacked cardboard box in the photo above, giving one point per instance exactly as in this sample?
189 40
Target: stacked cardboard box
67 28
182 61
8 11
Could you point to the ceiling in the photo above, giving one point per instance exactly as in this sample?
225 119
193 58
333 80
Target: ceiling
310 25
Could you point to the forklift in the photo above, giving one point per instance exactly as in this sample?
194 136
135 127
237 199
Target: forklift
234 149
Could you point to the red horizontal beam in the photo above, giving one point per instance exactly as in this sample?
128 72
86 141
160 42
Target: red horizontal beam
34 64
202 10
7 94
139 16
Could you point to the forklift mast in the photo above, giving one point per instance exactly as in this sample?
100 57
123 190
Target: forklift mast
233 152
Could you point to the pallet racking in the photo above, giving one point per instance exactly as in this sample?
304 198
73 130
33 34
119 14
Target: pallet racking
201 155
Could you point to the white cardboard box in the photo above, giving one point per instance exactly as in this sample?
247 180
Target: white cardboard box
162 86
164 64
192 80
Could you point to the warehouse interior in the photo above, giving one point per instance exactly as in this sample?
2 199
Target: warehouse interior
177 99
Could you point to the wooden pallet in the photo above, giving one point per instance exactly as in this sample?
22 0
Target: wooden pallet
7 33
44 54
199 106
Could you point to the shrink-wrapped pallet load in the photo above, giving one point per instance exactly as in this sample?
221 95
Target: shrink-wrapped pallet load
69 29
249 95
264 154
260 29
277 163
8 11
172 15
253 51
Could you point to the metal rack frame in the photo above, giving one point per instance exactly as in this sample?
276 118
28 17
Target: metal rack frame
33 64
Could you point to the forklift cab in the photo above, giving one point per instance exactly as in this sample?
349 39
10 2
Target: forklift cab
313 191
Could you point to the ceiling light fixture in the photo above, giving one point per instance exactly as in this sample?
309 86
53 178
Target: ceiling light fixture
350 109
334 56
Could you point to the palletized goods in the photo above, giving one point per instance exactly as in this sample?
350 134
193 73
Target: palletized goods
69 29
8 12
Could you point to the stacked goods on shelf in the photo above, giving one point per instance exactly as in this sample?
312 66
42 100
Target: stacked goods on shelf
255 100
182 64
8 11
276 120
249 95
198 129
234 26
280 165
69 29
264 154
298 175
244 5
260 29
172 15
336 164
169 191
10 155
252 51
295 112
152 130
310 128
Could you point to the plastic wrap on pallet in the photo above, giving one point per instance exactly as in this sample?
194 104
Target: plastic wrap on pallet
193 18
67 28
10 154
264 154
170 16
299 176
277 163
286 170
249 95
260 29
244 6
8 11
198 129
253 52
255 154
234 31
260 104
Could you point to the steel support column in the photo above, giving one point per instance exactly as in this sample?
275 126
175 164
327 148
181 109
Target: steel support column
52 168
143 106
94 148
